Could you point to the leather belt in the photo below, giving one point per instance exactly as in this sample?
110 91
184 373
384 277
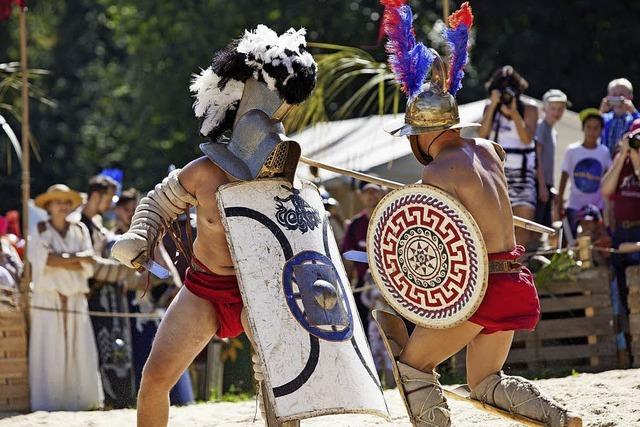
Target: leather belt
504 267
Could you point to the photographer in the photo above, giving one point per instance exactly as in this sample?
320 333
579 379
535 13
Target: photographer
511 123
618 112
622 186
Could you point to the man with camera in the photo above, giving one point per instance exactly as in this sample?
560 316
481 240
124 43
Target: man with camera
618 112
622 185
511 121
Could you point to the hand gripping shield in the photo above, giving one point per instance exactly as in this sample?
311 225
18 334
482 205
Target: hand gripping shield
427 256
301 310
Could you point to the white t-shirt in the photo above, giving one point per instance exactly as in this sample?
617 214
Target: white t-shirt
586 167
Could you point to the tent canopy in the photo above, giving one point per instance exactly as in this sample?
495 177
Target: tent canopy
362 144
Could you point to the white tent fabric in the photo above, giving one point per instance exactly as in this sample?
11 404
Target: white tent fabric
362 144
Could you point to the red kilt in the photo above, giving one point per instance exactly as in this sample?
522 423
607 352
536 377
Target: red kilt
221 291
511 300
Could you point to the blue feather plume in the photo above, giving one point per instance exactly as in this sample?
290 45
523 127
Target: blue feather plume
457 39
410 61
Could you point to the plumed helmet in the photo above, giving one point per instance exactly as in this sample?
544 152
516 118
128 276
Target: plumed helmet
431 105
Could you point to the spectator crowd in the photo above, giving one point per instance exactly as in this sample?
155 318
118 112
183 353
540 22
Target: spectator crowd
92 320
601 169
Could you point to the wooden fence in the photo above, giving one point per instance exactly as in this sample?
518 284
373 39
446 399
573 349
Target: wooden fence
576 330
14 380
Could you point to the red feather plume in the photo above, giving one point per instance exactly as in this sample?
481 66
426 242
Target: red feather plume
464 15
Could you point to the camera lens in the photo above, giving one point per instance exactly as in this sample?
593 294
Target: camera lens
506 97
634 142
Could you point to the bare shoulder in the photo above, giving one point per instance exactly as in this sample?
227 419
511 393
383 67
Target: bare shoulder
201 171
438 175
450 168
491 147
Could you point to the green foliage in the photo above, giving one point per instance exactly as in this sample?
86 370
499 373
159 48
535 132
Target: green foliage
232 395
561 268
350 83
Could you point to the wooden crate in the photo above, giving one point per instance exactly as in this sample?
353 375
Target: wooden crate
14 378
576 330
633 283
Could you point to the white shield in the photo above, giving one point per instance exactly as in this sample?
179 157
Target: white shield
301 310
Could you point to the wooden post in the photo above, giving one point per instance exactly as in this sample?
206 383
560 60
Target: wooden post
445 10
26 278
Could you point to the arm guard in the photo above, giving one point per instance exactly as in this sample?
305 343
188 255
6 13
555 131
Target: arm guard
156 210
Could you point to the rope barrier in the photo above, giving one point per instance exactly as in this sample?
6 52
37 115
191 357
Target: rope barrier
100 313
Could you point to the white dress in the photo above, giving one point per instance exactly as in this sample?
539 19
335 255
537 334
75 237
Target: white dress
520 164
63 360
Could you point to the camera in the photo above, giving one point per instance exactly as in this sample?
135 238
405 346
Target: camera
634 141
615 100
506 95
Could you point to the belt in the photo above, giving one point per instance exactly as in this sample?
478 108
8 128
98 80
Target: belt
630 224
504 267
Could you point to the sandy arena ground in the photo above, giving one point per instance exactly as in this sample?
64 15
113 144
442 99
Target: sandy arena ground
605 399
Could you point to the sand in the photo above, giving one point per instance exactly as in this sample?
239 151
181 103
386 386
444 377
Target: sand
606 399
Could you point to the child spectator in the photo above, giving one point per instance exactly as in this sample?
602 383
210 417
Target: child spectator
584 165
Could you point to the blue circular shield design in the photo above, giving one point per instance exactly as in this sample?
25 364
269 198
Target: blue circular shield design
300 301
587 175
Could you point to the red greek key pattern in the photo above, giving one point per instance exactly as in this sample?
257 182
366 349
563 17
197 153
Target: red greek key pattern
456 273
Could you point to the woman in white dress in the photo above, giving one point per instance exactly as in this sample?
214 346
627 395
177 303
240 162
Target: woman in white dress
63 360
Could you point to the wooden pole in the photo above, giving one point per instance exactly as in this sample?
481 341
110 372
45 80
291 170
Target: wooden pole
445 10
454 394
517 221
26 191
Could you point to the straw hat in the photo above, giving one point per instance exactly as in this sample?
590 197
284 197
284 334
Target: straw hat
59 192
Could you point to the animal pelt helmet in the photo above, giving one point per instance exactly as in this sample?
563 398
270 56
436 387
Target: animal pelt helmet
280 61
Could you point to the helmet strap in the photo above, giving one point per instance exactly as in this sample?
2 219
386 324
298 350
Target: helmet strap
428 157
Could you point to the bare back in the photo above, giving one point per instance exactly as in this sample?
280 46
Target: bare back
201 178
471 170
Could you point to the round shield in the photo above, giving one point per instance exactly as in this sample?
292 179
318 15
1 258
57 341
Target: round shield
427 256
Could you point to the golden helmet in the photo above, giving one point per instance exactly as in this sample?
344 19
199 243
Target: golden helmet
432 108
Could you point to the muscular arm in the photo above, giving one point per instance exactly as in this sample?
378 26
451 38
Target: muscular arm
192 174
158 208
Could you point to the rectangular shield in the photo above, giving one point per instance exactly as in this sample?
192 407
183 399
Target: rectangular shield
301 310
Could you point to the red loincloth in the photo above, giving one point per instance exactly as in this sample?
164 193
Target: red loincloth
221 291
511 301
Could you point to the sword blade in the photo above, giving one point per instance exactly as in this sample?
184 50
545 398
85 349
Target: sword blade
152 267
157 270
356 256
